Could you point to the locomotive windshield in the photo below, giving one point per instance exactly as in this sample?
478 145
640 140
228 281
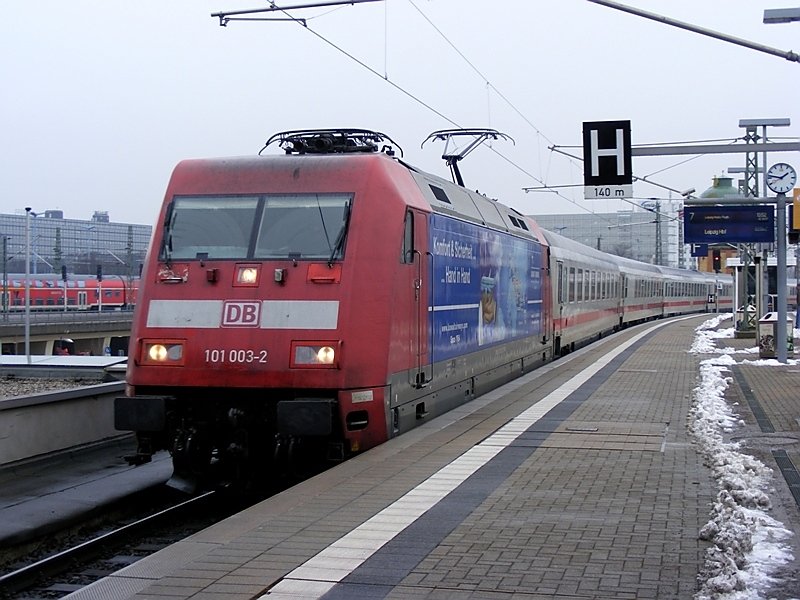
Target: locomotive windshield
297 226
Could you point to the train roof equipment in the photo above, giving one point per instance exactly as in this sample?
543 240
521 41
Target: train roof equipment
452 157
333 141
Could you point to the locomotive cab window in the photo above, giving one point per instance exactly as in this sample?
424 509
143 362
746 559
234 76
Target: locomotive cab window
210 227
303 226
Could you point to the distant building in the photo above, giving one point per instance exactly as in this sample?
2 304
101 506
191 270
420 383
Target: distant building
119 248
637 233
721 187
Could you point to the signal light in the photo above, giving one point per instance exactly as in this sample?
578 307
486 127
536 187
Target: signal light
246 275
716 260
794 221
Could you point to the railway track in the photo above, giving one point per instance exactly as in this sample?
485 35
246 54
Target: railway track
60 551
80 563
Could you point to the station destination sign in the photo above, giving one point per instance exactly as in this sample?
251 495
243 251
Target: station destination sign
729 224
607 165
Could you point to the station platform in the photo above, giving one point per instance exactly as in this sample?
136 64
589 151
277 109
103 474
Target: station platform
55 366
595 476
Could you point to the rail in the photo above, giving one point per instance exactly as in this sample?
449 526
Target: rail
68 558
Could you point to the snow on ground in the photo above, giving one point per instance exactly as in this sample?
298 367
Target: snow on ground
749 545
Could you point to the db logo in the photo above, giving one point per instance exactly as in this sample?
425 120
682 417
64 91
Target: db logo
241 314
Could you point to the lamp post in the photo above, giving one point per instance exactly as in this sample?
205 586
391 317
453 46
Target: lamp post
5 278
28 284
771 17
781 15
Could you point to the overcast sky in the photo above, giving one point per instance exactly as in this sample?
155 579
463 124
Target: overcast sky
100 99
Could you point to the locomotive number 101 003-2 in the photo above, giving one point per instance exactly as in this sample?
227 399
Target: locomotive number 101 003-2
219 355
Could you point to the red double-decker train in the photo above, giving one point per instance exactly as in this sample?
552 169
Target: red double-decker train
320 302
48 292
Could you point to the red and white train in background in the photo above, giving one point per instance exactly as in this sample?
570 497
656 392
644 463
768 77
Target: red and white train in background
82 292
333 297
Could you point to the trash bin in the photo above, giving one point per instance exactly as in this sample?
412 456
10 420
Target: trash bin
767 329
745 325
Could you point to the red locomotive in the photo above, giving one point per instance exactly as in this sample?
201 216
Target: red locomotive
322 301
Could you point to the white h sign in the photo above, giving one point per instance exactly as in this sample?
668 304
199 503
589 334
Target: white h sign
607 160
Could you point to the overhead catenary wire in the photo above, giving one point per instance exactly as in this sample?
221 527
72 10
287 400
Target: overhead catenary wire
304 23
573 160
398 87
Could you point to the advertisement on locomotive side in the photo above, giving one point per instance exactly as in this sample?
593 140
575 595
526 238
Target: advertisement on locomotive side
486 288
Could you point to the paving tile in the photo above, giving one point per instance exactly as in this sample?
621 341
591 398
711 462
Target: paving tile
606 498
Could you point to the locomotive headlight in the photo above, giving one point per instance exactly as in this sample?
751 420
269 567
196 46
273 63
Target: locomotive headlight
326 355
315 354
162 352
157 352
247 275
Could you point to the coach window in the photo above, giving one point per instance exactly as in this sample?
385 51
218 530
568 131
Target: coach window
408 239
572 284
587 285
586 281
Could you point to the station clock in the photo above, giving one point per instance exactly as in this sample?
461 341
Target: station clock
781 178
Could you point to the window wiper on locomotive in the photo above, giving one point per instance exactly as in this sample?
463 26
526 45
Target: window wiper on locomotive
322 218
166 241
339 245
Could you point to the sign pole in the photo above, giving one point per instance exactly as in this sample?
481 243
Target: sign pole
28 283
780 328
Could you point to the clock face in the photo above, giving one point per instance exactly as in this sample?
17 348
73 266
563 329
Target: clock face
781 178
